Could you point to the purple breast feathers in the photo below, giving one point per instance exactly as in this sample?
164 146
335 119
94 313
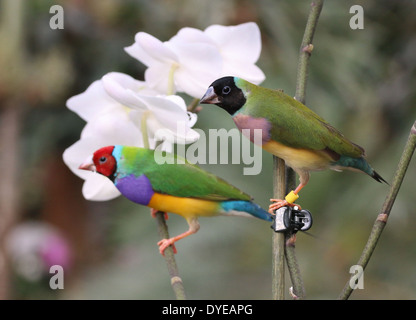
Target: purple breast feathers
243 121
136 189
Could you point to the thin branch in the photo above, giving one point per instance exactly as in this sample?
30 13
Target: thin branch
306 48
287 176
162 227
175 279
298 289
278 238
193 106
381 220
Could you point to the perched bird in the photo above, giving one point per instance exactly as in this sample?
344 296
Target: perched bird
174 186
290 131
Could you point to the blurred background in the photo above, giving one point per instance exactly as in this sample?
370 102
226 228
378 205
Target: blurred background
361 81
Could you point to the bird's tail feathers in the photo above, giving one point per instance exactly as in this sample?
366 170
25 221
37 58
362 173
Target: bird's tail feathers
358 164
378 178
245 208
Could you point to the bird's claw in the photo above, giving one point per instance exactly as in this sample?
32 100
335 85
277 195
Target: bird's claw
278 203
164 243
154 211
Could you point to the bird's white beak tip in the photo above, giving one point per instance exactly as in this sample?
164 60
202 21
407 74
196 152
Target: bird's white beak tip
88 164
210 97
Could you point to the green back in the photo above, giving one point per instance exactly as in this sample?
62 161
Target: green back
181 180
293 124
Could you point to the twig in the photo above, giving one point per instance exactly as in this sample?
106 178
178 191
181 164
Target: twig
298 289
162 227
281 242
381 220
278 239
175 280
306 48
193 106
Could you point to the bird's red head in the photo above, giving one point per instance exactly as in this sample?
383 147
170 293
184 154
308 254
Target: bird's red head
102 162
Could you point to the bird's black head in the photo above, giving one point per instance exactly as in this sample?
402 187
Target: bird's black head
225 94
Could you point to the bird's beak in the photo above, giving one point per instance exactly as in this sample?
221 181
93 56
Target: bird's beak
88 164
210 97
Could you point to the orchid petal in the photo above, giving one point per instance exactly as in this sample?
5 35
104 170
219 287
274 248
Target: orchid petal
167 112
115 128
193 118
91 102
188 35
199 64
249 72
241 42
122 88
129 83
99 188
149 50
77 153
157 77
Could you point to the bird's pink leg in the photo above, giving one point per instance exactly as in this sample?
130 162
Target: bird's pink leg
278 203
164 243
154 211
300 187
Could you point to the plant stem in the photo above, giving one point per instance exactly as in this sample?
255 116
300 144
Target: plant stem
306 48
143 126
298 289
175 280
381 220
193 105
278 239
162 227
305 52
286 177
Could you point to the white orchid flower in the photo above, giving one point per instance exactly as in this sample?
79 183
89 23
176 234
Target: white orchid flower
167 113
115 108
240 48
108 123
191 60
182 66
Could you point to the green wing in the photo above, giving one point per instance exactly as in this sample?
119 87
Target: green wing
294 125
183 180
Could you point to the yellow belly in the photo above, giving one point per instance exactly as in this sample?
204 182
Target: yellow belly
186 207
301 159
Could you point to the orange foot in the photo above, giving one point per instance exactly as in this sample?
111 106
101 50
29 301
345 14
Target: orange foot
154 211
164 243
278 203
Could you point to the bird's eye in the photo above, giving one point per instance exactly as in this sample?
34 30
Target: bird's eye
102 160
226 90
